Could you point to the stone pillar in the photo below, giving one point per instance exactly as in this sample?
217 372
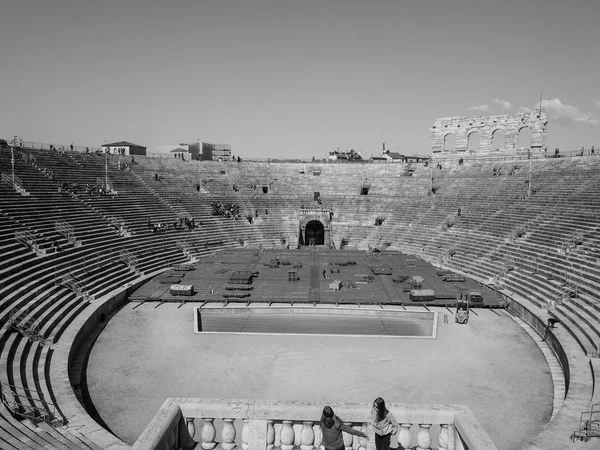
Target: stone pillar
257 434
228 435
443 437
318 435
348 438
208 434
363 441
270 435
307 436
423 437
245 434
404 436
287 435
451 436
191 426
356 439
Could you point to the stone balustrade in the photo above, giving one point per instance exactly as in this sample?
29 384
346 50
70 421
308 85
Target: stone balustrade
263 425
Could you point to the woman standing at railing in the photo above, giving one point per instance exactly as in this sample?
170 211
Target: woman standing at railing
332 428
384 423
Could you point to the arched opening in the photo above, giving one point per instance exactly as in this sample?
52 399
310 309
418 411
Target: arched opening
314 233
524 138
449 142
473 141
498 140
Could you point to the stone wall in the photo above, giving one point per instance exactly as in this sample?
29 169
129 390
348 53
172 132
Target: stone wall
508 124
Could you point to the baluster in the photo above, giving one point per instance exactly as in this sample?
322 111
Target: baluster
404 436
270 435
362 442
348 438
356 439
287 435
297 432
208 434
245 434
318 435
307 436
443 437
423 437
228 435
191 426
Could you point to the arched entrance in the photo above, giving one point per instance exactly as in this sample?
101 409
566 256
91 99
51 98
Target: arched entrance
314 233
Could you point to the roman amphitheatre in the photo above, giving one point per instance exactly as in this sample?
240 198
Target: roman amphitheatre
222 303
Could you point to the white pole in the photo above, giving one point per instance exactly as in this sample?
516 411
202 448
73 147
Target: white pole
529 184
106 168
12 161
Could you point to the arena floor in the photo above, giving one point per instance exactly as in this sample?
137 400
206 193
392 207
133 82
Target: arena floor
148 353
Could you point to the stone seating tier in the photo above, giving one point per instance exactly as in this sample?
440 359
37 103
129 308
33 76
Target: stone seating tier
499 225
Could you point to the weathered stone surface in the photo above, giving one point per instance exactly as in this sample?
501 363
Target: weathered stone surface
509 124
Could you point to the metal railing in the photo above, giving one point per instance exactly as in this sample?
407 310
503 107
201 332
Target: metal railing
17 185
130 260
35 409
71 282
589 425
519 155
59 147
27 238
66 230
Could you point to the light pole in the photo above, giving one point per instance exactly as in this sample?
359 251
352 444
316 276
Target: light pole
12 161
529 184
106 169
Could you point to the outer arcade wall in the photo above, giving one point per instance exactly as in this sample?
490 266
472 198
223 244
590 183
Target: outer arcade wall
509 125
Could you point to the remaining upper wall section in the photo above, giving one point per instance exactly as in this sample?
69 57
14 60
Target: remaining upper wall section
507 126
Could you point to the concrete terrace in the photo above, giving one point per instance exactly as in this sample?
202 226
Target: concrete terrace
69 260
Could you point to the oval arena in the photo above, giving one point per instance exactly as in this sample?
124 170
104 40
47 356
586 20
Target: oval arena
270 289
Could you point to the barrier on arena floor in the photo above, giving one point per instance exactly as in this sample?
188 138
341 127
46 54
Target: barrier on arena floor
263 424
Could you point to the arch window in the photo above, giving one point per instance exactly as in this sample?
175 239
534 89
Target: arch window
524 138
498 140
473 141
449 142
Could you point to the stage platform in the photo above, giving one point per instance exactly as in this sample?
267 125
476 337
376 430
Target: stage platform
366 278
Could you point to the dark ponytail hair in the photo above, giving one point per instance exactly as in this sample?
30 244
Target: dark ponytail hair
382 411
328 412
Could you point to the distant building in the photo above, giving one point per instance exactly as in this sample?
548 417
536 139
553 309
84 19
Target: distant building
417 159
393 157
124 147
193 149
173 151
350 155
215 152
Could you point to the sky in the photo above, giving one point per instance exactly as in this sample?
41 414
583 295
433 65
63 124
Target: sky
293 78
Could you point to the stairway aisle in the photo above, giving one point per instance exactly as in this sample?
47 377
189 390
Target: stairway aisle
315 282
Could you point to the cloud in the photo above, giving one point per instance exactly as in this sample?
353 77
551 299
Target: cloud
504 103
568 114
480 108
525 109
598 103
